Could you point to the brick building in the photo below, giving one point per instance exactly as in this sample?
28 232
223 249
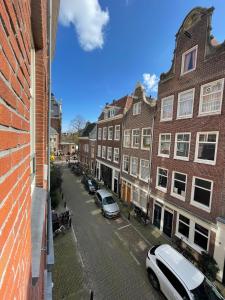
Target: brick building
87 146
24 102
187 182
109 137
136 153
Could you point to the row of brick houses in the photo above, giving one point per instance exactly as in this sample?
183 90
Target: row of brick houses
27 42
167 156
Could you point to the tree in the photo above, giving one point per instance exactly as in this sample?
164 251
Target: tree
77 124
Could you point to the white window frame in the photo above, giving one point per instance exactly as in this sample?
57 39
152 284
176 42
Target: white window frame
131 161
175 146
117 130
196 203
104 133
127 156
140 167
93 152
114 155
159 146
109 128
134 187
109 148
99 133
200 113
183 60
178 101
142 138
99 150
135 147
125 135
157 177
137 108
161 112
208 237
205 161
172 186
104 152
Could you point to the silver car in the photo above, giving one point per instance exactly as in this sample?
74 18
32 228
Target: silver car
110 208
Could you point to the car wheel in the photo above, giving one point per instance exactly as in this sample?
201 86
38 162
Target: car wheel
153 280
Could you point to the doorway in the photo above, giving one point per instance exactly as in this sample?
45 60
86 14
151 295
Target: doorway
157 215
168 223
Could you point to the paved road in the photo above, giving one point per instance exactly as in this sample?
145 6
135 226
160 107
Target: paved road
112 253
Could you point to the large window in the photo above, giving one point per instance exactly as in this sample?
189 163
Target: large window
126 163
117 133
143 199
211 97
99 150
164 144
178 188
99 133
134 166
167 108
104 136
185 104
184 226
202 193
144 170
189 59
162 179
126 138
206 147
135 194
201 236
93 152
137 108
110 132
116 155
109 153
135 138
182 146
103 151
146 138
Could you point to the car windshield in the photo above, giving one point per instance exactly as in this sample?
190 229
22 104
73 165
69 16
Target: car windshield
206 291
108 200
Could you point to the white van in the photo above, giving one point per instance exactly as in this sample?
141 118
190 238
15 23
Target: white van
176 277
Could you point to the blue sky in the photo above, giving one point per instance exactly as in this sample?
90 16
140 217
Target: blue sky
105 46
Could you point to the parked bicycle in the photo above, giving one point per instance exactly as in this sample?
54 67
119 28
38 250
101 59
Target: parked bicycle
61 222
141 216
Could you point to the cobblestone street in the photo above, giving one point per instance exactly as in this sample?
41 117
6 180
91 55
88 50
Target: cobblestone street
106 256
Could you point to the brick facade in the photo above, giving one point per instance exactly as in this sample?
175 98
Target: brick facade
210 66
18 31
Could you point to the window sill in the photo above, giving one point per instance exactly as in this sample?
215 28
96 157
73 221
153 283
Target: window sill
192 245
161 189
189 71
146 181
166 120
163 155
148 148
125 171
200 206
181 158
178 197
184 117
206 162
135 176
209 114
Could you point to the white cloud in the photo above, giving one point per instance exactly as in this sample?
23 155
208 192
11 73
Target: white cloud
150 82
89 20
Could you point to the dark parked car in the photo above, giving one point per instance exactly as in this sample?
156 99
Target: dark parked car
77 170
90 184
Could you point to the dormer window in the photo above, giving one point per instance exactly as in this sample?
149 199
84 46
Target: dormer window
137 108
189 59
111 112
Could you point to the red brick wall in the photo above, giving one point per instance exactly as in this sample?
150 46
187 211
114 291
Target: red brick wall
15 185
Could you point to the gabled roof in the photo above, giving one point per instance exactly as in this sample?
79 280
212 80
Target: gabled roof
87 130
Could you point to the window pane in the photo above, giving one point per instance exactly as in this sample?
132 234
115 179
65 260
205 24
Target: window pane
201 240
183 229
179 188
179 176
203 183
206 151
162 181
202 196
203 230
185 104
184 219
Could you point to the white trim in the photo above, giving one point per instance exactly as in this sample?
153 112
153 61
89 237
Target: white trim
172 186
110 159
107 165
196 203
136 158
159 145
104 157
80 138
178 101
129 138
99 147
142 147
108 133
159 187
106 130
162 100
136 147
110 119
100 134
201 114
175 147
183 56
136 107
205 161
